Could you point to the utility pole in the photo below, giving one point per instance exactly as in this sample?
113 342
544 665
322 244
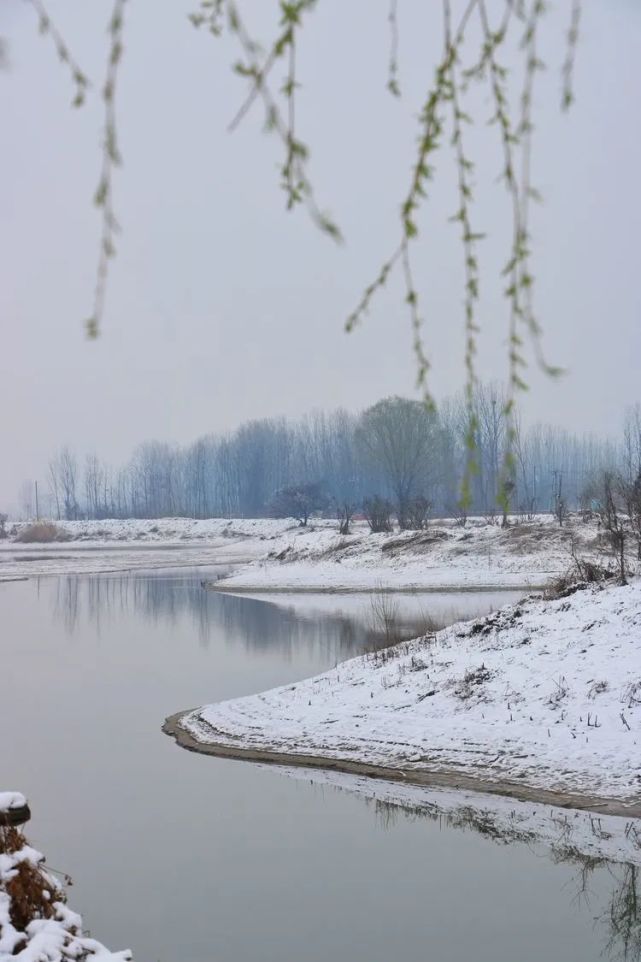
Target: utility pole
37 506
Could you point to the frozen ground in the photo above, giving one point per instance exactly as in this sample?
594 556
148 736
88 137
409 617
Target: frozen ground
91 547
279 555
35 923
542 696
446 556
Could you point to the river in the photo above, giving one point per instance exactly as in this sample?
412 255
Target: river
188 858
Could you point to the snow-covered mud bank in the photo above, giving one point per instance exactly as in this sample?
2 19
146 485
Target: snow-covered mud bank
446 556
280 555
18 564
541 700
94 547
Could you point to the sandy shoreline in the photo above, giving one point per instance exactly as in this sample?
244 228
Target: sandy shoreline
232 589
442 779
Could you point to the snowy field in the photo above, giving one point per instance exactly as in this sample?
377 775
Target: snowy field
542 696
279 555
92 547
445 556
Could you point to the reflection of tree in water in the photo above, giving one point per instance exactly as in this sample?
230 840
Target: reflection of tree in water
465 817
622 916
261 626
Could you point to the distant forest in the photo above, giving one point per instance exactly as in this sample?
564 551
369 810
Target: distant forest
333 463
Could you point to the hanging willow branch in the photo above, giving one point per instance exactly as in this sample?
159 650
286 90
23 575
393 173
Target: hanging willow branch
442 119
111 159
279 117
48 27
392 63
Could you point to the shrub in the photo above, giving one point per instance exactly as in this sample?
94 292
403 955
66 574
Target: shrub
385 623
345 511
42 532
298 501
28 890
417 512
378 512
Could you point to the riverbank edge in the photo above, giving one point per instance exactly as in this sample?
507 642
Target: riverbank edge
319 589
422 779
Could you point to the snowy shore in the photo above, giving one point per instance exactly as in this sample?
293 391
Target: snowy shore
539 700
280 555
94 547
446 556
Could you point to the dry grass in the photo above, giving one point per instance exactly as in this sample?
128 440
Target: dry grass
470 686
42 532
388 629
598 688
31 894
385 620
581 574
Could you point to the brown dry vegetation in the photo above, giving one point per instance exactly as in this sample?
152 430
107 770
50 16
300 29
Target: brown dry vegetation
31 894
42 532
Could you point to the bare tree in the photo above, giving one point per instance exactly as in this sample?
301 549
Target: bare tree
54 485
399 437
613 524
418 513
378 512
299 501
345 511
68 471
631 492
559 506
95 483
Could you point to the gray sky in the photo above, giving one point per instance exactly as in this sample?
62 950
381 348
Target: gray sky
223 307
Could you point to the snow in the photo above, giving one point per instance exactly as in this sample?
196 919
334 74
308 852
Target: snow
544 694
444 557
9 800
56 939
92 547
162 530
280 555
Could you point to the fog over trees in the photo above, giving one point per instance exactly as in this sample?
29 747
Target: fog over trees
396 450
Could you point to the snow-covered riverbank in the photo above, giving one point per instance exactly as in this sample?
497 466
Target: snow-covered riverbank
280 555
446 556
93 547
540 697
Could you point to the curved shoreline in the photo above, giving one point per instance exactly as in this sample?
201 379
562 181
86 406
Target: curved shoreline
320 589
425 779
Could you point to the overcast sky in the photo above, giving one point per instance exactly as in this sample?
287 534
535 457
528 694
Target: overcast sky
221 306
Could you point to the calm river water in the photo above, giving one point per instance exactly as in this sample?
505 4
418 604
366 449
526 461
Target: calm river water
187 858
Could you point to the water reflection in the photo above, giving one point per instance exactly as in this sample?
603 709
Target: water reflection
260 625
625 916
603 849
267 868
334 627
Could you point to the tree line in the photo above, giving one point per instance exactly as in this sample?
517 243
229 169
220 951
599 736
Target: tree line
395 459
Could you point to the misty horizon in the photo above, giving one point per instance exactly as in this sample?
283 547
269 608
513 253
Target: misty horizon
221 307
